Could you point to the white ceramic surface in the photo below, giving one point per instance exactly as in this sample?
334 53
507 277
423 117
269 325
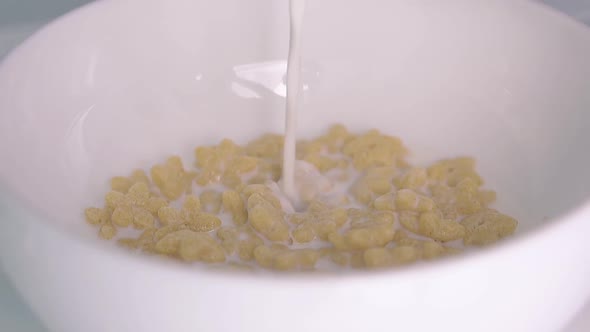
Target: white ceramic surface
505 81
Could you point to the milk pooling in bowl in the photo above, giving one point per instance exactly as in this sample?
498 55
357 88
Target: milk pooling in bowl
337 201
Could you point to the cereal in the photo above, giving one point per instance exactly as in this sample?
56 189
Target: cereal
340 258
201 247
243 164
385 202
267 218
374 150
231 180
414 179
146 239
171 178
378 185
122 184
361 192
204 222
154 204
233 203
362 237
107 231
404 254
377 257
286 259
374 211
452 171
122 216
95 216
246 248
384 257
304 233
433 226
487 226
406 199
432 250
191 246
169 215
131 208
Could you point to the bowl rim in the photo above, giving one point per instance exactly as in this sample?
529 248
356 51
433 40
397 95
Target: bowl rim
20 208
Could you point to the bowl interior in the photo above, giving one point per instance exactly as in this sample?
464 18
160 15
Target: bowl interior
123 84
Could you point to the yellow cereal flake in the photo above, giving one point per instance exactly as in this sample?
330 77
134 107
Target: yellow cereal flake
171 178
227 149
304 233
298 218
432 250
409 200
374 150
382 218
231 180
107 231
243 164
246 248
122 216
378 185
138 194
385 202
207 157
204 222
361 192
486 197
467 197
154 204
414 179
169 215
163 231
340 258
145 241
377 257
452 171
233 203
191 246
121 184
229 239
433 226
267 146
267 219
264 197
131 208
190 216
201 247
404 254
114 199
96 216
486 227
409 220
322 163
286 259
362 237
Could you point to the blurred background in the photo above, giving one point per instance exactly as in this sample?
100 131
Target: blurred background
20 18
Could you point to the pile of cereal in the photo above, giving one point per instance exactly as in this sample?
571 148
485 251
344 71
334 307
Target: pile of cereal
373 208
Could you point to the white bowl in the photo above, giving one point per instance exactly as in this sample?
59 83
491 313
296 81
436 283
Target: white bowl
505 81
